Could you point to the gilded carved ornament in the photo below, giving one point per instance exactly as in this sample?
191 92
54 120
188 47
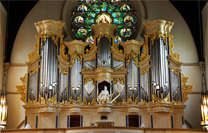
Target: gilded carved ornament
104 35
34 54
120 68
133 55
87 69
22 89
104 78
49 34
121 80
159 34
52 100
186 89
143 71
115 46
33 72
176 56
74 56
63 71
86 80
155 99
92 46
145 47
62 48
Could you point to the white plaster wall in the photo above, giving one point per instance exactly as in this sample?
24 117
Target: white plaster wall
183 41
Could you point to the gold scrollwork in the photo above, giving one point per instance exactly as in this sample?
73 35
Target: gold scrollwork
159 34
133 55
89 79
33 72
62 47
92 46
87 69
144 71
22 89
63 71
120 68
176 56
155 99
49 34
115 45
34 54
186 89
52 100
174 71
145 47
104 78
121 80
73 57
104 35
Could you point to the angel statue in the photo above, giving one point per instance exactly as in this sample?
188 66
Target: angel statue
104 96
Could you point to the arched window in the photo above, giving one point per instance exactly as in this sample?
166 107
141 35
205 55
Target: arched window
90 12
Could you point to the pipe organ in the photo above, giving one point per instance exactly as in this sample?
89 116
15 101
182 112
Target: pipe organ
71 78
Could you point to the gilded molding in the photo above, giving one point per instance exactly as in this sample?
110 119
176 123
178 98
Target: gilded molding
73 57
22 89
32 56
176 56
186 89
89 79
121 80
104 78
133 55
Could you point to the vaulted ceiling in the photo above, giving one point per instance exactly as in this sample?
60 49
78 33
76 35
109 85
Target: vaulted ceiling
190 10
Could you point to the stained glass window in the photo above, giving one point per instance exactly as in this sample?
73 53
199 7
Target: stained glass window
90 12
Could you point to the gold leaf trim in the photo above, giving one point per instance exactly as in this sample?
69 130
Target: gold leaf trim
87 69
143 71
34 54
133 55
73 57
121 80
62 47
120 68
104 35
145 47
22 89
176 56
89 79
33 72
63 71
159 34
155 99
186 89
49 34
